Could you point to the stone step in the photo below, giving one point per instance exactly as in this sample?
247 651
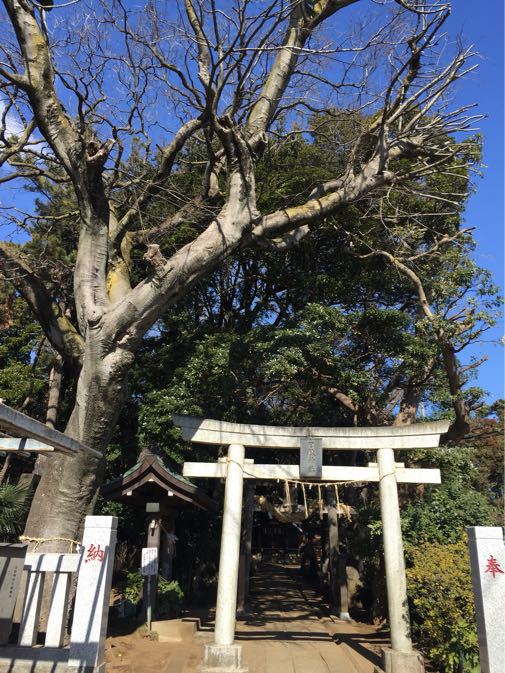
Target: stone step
175 630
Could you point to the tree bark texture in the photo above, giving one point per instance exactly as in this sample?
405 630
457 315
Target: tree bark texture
68 486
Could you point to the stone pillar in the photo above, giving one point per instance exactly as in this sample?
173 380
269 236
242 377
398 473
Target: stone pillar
91 609
401 658
223 655
12 559
342 587
487 560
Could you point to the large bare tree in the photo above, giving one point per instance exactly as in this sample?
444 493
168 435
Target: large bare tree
88 87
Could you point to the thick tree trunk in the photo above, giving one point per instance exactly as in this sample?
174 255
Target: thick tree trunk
5 468
53 399
409 406
68 486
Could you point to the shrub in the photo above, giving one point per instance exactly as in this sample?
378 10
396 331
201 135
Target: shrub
169 598
133 588
169 595
442 607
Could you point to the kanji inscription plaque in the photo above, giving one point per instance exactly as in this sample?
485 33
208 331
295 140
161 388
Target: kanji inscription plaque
311 457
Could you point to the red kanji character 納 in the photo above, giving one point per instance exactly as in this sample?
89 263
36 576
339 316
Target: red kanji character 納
94 553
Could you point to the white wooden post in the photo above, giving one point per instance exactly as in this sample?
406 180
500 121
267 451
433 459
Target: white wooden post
401 658
91 609
37 566
31 609
487 560
224 654
56 621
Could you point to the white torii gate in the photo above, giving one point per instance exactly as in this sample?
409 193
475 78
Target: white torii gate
224 654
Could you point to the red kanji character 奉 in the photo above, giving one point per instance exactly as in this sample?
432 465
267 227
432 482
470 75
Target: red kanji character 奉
493 567
94 553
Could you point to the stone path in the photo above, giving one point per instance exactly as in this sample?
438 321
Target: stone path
287 630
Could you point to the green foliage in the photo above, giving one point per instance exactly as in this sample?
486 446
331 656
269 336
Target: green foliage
169 598
13 504
442 608
23 358
169 595
133 587
486 436
445 511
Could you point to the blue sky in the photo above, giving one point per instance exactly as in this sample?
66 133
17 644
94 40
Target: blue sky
482 25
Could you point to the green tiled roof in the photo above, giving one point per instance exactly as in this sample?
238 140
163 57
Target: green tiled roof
179 477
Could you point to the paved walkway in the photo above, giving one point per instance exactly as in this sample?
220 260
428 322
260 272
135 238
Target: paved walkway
287 630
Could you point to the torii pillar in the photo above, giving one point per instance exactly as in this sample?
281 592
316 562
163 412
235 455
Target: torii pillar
224 653
401 658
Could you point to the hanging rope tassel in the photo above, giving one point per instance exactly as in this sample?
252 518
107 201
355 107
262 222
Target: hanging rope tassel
305 501
337 499
288 494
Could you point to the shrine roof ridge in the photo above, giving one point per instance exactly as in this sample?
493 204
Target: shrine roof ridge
211 431
151 471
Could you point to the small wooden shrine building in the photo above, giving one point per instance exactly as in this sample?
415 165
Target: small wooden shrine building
163 493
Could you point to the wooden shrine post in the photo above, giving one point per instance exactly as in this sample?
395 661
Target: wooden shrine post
245 547
339 596
225 655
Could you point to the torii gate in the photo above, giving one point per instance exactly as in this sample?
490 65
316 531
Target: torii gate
226 655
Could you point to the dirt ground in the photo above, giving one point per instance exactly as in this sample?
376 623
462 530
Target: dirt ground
286 630
136 653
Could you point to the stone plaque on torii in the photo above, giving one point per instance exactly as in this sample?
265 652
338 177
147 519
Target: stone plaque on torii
224 654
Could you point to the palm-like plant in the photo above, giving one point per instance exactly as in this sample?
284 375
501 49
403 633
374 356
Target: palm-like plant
13 501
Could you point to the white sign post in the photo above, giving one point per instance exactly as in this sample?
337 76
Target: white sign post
149 568
487 560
